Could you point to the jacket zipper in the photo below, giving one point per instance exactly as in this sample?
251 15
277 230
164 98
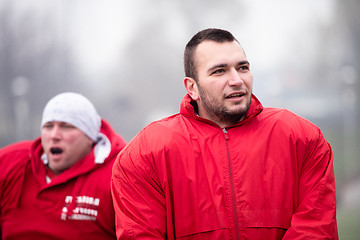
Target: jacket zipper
226 136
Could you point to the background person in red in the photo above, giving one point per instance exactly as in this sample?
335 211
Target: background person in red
225 167
58 186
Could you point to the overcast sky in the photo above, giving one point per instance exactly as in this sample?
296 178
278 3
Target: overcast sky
267 30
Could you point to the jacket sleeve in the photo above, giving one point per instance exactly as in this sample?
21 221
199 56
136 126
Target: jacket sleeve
315 213
138 198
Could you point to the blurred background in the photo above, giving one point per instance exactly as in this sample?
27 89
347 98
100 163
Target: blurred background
126 57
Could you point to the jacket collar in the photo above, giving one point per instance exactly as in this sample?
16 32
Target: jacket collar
188 107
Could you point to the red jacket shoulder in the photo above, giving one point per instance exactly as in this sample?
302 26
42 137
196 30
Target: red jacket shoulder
15 154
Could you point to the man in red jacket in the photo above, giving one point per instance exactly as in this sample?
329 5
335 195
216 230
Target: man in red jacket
58 186
225 167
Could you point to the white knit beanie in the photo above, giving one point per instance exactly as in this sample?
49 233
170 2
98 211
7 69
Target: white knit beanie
75 109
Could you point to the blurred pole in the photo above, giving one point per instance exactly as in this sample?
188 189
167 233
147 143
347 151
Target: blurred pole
349 77
20 86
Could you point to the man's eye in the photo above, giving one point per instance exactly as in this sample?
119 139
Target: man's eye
48 125
244 68
67 126
218 71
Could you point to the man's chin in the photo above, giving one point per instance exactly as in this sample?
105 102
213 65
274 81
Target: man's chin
237 113
54 158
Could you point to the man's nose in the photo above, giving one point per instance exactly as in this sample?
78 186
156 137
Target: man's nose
55 132
235 78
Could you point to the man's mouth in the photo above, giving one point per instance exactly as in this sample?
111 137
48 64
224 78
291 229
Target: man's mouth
56 150
235 95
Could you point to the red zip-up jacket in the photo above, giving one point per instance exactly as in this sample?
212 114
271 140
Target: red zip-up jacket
268 177
76 204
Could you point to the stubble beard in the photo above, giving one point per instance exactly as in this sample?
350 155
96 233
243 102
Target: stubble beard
222 114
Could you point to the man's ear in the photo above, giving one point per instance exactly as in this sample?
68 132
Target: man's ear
191 88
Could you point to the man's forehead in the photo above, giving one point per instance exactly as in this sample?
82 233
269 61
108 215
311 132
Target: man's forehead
59 122
218 52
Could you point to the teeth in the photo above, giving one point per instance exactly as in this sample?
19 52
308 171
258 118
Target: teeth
236 95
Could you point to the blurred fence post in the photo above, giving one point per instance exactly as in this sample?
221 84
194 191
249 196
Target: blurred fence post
19 87
349 78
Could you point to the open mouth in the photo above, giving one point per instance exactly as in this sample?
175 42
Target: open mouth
56 150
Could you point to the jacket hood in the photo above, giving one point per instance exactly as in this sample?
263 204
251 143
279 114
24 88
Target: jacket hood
188 106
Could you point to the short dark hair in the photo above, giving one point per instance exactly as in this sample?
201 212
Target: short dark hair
211 34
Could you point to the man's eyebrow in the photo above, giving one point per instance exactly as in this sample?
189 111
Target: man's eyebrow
216 67
244 62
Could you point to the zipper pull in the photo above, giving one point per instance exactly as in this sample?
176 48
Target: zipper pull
226 135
